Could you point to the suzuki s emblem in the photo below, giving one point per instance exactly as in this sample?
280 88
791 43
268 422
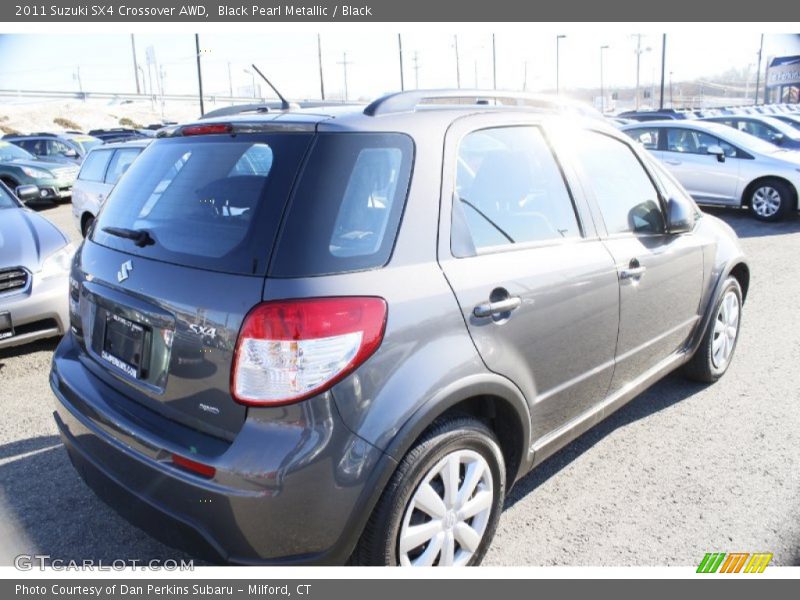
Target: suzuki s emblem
124 271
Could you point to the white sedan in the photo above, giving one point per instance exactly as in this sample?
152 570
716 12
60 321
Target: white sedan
720 165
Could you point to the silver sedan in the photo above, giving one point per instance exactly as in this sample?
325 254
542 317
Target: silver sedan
34 273
720 165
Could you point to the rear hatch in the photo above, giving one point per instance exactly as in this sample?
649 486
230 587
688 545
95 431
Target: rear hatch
177 258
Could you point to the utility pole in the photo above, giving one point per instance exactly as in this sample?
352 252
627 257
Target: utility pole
162 77
135 66
525 76
144 81
671 103
344 62
458 64
230 80
639 52
416 69
400 51
77 77
558 82
199 76
663 67
602 89
476 73
494 64
319 56
758 70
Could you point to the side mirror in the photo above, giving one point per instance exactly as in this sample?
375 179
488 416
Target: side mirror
71 153
717 151
26 193
680 215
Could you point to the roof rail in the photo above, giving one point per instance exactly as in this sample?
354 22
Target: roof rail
408 101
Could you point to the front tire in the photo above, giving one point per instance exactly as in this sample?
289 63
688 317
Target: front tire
770 200
442 505
715 353
86 224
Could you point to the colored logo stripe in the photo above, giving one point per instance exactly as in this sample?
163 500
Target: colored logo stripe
734 562
758 563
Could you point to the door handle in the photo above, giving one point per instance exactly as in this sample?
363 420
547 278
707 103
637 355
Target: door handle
632 272
673 162
488 309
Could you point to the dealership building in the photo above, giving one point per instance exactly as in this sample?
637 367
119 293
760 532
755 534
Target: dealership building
783 79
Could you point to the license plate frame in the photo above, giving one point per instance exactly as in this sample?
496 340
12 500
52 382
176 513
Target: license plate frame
125 345
6 326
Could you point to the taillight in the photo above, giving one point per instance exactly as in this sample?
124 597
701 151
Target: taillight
207 129
292 349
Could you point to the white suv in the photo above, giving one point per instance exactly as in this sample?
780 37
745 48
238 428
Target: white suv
100 171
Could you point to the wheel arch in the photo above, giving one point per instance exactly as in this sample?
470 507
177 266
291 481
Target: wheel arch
490 399
740 270
748 190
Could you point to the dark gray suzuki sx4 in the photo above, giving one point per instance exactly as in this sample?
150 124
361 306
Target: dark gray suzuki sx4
342 337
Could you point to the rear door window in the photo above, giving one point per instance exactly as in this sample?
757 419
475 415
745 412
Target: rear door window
94 167
346 210
210 202
122 160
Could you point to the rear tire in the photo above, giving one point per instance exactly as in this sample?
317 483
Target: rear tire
86 224
715 353
770 200
443 503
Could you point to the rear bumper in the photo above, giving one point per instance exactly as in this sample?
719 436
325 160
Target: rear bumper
41 311
291 488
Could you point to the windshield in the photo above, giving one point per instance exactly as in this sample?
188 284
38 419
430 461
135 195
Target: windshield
86 143
6 201
9 151
743 140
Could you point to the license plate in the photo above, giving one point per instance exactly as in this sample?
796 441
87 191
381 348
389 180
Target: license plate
6 327
123 345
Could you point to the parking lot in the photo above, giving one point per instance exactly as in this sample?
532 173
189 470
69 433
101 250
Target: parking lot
682 470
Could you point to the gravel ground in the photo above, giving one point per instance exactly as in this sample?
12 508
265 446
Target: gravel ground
682 470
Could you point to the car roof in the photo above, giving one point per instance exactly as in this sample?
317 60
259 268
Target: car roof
135 143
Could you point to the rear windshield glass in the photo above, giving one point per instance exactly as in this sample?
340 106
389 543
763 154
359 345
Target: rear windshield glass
212 202
346 210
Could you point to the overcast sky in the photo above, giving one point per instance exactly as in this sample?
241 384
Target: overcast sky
51 62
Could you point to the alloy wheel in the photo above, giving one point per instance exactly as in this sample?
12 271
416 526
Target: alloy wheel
446 518
726 328
766 201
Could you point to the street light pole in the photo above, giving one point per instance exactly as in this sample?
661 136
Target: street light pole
135 66
558 83
494 63
458 64
199 74
319 56
758 71
400 50
602 90
639 52
663 66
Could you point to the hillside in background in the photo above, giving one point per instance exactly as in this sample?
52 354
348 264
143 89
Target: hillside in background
60 115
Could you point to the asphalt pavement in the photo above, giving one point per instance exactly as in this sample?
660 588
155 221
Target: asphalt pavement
682 470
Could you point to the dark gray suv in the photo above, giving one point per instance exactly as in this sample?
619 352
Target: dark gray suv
342 335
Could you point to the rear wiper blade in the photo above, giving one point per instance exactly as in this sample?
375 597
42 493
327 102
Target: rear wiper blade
140 237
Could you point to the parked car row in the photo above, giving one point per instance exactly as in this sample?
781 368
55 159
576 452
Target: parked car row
700 113
35 258
743 160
